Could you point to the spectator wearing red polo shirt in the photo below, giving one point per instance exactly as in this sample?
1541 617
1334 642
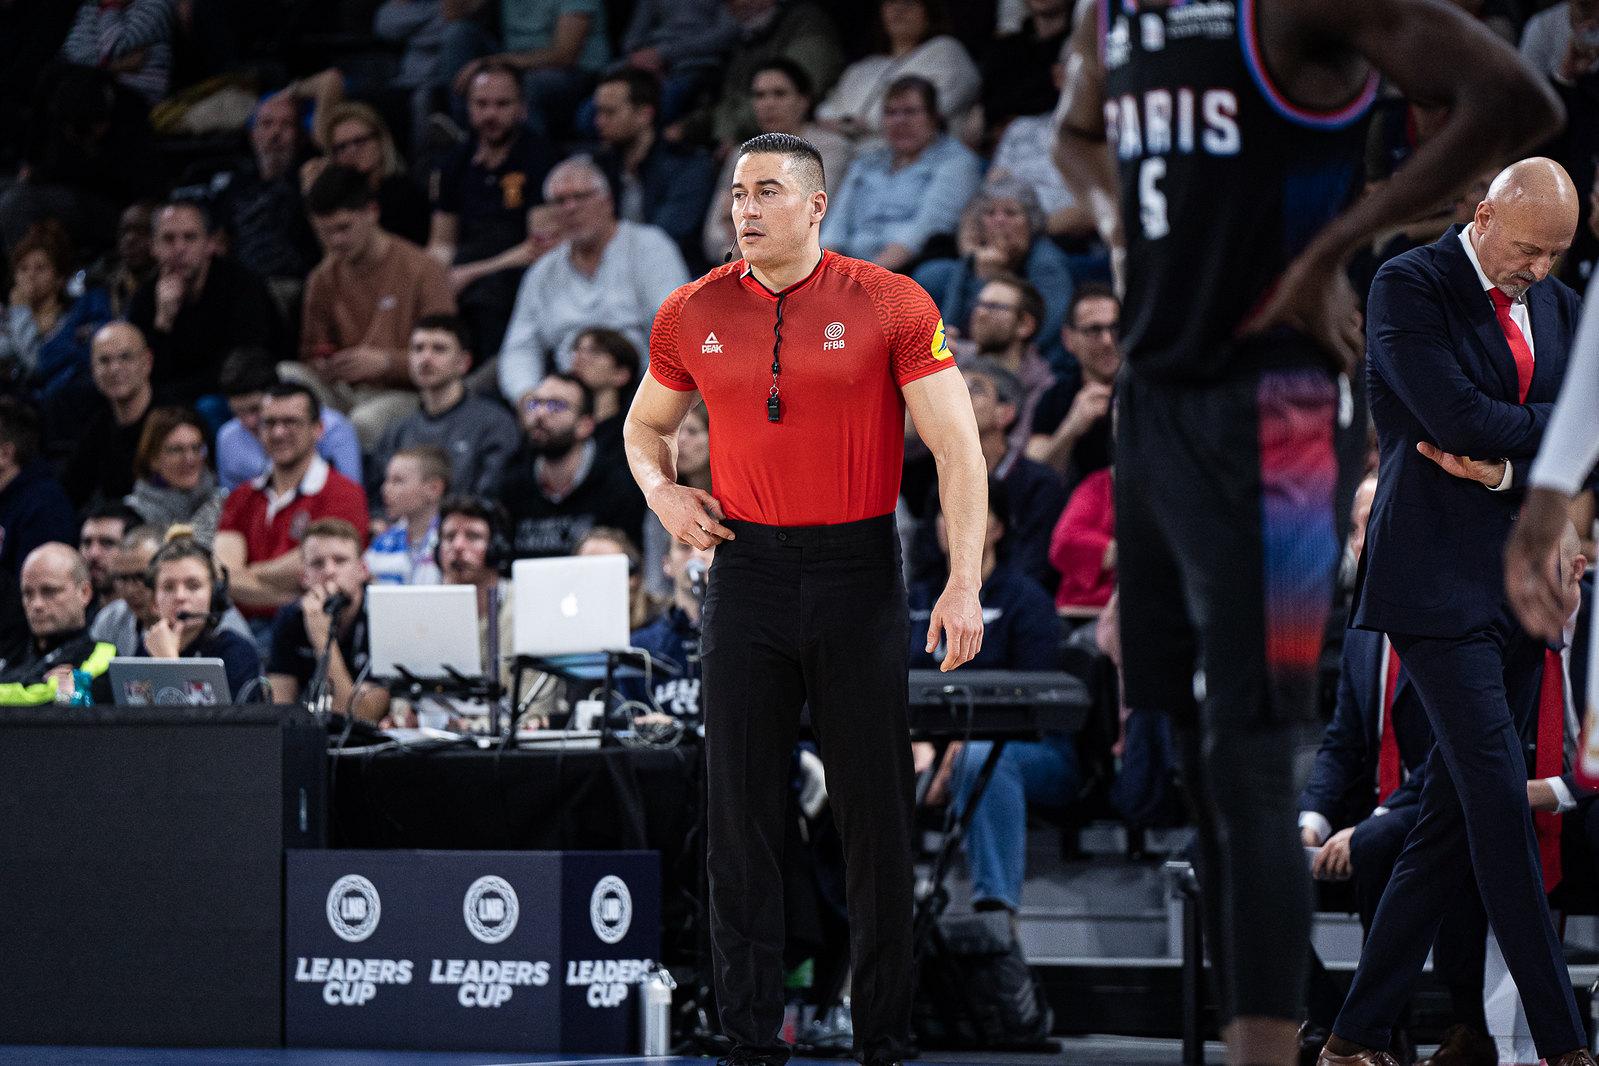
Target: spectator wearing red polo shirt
263 521
807 363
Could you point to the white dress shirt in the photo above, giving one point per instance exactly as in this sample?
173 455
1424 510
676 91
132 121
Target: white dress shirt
1518 315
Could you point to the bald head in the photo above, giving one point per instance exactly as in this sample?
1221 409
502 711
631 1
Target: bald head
55 590
1525 223
120 333
120 363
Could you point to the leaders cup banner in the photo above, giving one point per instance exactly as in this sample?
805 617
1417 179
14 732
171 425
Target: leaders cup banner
468 950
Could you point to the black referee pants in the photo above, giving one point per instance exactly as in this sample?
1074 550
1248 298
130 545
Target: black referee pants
794 615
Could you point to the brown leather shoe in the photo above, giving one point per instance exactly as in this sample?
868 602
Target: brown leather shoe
1464 1046
1359 1058
1580 1057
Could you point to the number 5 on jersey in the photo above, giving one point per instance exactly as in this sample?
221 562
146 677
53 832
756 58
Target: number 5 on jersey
1151 201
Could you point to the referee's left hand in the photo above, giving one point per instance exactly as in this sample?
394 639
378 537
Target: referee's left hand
958 619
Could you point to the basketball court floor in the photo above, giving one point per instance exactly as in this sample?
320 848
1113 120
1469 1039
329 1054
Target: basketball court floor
1087 1051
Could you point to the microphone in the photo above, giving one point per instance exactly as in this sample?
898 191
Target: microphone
193 616
698 575
335 603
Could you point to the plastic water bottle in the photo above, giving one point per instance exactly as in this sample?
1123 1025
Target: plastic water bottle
655 1012
81 696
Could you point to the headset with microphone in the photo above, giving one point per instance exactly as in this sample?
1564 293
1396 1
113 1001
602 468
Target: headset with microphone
188 548
497 556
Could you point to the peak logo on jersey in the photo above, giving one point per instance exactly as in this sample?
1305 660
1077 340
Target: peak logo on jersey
712 346
835 337
940 346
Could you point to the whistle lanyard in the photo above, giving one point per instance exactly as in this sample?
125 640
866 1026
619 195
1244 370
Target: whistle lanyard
774 399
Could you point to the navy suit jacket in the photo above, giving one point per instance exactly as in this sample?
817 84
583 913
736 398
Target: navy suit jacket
1342 782
1438 369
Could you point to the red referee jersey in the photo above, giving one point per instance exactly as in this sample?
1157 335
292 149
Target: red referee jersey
853 335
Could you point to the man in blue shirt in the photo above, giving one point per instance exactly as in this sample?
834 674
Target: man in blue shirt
244 379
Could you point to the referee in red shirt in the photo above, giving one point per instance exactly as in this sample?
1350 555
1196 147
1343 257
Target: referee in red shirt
807 362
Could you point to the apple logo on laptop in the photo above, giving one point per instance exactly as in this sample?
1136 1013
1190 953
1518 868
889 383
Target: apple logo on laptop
569 605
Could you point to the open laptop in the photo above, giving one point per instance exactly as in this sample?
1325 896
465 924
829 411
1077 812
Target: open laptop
569 605
141 682
423 628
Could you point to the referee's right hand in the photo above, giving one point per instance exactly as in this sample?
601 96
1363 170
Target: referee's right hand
691 515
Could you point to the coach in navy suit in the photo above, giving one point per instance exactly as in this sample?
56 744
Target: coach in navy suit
1361 830
1466 345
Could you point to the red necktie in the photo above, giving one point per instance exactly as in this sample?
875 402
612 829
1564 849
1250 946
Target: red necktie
1518 343
1389 770
1546 764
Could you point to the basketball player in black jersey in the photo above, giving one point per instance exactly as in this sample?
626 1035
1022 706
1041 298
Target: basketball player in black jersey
1220 144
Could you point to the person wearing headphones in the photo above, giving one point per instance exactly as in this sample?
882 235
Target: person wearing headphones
191 595
474 548
334 604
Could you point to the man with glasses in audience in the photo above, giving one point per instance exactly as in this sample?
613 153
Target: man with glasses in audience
1004 327
606 271
558 487
265 520
1071 426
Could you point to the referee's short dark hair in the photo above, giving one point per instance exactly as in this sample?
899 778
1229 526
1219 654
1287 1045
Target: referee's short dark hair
338 188
807 160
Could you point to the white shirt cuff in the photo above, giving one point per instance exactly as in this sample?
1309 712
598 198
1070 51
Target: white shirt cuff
1505 482
1563 795
1316 823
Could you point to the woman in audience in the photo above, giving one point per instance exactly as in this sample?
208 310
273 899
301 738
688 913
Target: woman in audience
354 135
642 607
898 199
1002 232
44 335
914 42
783 99
174 483
190 599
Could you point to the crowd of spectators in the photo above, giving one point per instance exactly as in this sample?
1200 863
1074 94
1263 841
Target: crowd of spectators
363 297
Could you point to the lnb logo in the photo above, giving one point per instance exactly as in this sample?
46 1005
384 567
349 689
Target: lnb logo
491 909
611 909
353 908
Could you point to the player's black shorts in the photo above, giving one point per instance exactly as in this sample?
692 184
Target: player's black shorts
1228 541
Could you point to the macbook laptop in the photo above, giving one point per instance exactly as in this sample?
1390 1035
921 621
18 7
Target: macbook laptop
427 629
571 604
142 682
